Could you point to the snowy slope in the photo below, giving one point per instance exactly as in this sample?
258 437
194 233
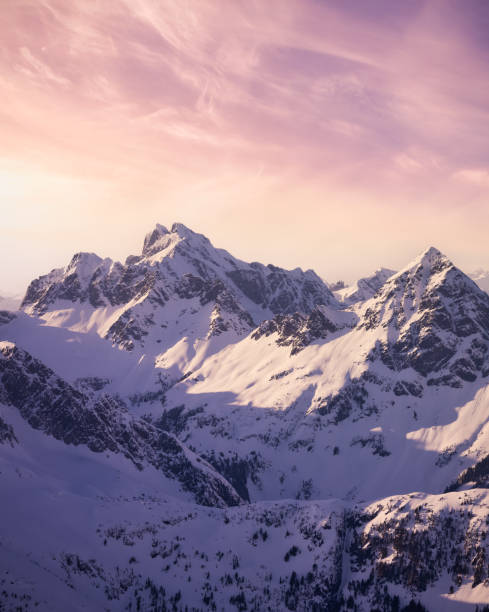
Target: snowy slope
180 300
112 542
365 288
367 403
360 393
189 431
103 425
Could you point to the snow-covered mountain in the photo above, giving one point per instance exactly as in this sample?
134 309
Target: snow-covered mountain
180 299
481 277
102 424
361 397
190 431
10 302
363 289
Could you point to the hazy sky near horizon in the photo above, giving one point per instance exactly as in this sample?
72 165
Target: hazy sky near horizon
333 134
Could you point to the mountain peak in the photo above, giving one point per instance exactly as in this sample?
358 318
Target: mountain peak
182 230
432 251
430 309
80 261
153 237
160 238
430 256
429 262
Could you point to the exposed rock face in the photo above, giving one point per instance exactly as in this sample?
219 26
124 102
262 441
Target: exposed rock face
298 330
7 434
76 282
414 541
439 322
237 470
177 269
51 405
351 399
432 320
279 290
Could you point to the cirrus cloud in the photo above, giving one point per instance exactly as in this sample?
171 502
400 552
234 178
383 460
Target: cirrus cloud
320 115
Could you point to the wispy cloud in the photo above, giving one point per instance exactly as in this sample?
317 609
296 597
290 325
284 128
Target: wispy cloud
381 105
35 69
474 176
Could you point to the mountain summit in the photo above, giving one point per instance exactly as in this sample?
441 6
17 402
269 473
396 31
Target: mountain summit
438 320
179 271
160 239
201 420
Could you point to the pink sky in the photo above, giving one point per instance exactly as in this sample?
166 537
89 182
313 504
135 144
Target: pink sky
338 135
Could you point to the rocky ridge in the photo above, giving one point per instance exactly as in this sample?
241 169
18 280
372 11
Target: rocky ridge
296 395
177 269
102 424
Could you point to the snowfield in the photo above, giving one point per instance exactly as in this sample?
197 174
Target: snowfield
187 431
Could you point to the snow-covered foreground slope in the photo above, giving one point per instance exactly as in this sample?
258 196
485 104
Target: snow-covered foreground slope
101 422
84 532
190 431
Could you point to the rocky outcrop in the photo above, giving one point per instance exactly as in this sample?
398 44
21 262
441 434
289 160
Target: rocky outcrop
298 330
7 435
50 404
181 270
438 320
414 543
279 290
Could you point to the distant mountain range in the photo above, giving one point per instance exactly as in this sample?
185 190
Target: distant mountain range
10 302
481 277
188 431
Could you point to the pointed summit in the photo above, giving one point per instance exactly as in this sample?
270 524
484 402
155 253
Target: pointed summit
84 265
184 233
179 271
152 238
431 277
436 321
429 268
161 238
431 259
431 253
182 230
